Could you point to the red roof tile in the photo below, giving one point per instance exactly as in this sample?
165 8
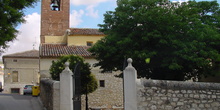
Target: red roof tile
85 31
25 54
56 50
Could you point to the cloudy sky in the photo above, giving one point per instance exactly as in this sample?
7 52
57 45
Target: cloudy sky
83 14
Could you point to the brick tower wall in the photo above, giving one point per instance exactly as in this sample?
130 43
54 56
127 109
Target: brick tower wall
54 23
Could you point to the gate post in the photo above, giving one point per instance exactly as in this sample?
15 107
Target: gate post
66 89
130 89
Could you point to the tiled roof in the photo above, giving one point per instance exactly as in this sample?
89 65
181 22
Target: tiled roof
56 50
25 54
85 31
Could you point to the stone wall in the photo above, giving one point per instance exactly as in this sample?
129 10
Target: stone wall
147 94
179 95
49 94
109 97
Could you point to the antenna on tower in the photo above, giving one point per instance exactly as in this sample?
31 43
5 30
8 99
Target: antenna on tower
34 43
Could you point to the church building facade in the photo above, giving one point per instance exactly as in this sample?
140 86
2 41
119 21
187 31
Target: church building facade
58 39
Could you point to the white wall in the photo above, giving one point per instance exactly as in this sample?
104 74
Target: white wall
28 73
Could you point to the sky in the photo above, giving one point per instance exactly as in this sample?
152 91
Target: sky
83 14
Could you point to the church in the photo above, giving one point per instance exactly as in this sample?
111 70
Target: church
58 39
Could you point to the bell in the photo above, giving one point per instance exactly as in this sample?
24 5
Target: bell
55 5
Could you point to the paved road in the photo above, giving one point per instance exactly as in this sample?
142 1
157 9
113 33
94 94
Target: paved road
19 102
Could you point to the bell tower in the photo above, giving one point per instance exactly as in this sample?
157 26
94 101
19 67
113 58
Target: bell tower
54 18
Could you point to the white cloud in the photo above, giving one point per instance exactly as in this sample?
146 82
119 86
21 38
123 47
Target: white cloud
29 34
76 18
87 2
180 1
91 12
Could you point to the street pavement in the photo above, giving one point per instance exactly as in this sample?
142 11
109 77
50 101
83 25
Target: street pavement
19 102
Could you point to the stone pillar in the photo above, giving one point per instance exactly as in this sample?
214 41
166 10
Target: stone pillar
66 89
56 95
130 89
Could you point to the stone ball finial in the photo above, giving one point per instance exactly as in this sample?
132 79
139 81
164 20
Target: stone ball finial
68 32
67 64
129 61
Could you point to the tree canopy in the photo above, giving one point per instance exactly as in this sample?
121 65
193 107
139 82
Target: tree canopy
88 80
179 40
12 14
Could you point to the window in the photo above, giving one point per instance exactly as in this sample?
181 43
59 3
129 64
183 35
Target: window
15 76
15 60
15 90
108 71
105 72
89 43
102 83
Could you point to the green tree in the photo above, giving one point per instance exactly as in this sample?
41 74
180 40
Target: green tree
12 14
87 79
181 40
